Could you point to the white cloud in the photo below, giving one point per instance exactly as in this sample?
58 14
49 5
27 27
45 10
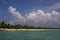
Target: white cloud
40 17
37 17
18 17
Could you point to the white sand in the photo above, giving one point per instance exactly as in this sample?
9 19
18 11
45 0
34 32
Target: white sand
23 29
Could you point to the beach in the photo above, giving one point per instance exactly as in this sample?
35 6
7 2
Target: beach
6 29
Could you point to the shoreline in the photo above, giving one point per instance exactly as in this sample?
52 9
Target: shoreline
6 29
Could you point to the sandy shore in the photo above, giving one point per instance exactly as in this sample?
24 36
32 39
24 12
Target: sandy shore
20 29
24 29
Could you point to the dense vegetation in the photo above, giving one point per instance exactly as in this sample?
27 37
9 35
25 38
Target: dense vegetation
18 26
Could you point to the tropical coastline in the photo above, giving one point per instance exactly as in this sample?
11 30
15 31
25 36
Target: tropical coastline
9 27
6 29
19 29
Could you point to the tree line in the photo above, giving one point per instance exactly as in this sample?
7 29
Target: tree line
18 26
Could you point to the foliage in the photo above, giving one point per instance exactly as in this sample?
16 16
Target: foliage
18 26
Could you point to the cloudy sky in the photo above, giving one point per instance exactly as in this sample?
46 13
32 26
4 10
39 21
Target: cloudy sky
31 12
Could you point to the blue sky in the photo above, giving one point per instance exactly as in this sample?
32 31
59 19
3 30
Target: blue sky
31 12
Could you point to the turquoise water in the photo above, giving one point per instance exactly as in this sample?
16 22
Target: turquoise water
30 35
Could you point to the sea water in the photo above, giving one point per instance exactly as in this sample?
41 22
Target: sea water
30 35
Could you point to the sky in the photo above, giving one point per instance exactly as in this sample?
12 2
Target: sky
44 13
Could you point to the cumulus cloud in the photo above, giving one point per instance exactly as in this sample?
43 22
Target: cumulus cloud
40 17
36 18
18 17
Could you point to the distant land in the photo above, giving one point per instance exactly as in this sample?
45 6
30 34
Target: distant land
3 25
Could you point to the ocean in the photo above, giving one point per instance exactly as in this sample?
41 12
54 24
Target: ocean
30 35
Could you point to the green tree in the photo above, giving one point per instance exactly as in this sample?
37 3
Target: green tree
3 24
